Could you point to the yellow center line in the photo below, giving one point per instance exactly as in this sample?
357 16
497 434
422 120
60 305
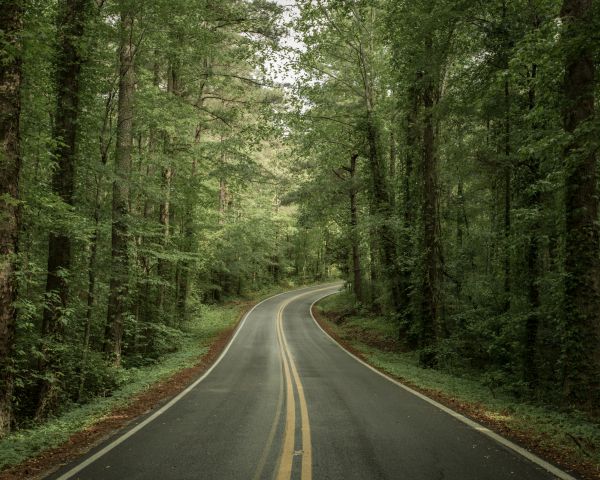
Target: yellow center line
287 453
306 441
284 471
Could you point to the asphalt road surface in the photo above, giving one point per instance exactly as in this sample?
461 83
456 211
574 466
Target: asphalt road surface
284 402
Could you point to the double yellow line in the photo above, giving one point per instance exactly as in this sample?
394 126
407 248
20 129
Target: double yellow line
284 471
290 379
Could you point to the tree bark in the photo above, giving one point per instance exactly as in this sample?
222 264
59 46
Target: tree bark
408 220
223 200
429 321
11 22
383 215
105 142
582 266
118 287
164 220
382 202
507 173
530 371
188 221
71 23
90 301
429 292
374 256
164 265
392 169
188 235
356 268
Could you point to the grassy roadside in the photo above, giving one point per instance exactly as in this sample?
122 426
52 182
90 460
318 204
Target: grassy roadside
566 438
204 329
145 386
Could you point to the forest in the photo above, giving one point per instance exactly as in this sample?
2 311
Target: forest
451 145
437 155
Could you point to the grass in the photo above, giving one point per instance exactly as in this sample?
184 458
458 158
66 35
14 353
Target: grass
575 437
200 333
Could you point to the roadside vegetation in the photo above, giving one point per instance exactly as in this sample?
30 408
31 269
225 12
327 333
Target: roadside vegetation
193 342
188 349
566 436
450 147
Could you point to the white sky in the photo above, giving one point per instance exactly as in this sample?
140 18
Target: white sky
280 69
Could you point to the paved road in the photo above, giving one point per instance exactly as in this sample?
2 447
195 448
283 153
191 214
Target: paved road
286 402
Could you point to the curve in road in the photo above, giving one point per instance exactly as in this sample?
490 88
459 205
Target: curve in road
284 402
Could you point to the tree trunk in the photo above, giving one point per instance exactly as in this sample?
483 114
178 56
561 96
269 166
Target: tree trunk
164 270
406 235
582 268
91 299
530 372
383 215
223 200
188 234
71 22
356 268
90 294
460 207
429 302
374 256
10 216
460 224
117 305
392 169
382 209
164 219
507 172
188 222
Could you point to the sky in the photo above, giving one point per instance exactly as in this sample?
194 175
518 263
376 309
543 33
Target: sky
279 68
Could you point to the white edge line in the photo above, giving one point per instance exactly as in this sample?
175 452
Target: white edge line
471 423
76 469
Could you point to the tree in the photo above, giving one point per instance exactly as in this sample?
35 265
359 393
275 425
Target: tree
11 23
582 265
357 283
117 300
71 21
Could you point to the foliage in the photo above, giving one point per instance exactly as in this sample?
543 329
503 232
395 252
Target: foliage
112 278
440 155
462 190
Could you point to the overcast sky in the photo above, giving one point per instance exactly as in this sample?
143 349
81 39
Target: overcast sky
279 69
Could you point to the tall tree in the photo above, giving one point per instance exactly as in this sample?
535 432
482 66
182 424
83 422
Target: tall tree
357 281
410 158
70 21
11 23
430 287
534 201
117 300
382 196
582 264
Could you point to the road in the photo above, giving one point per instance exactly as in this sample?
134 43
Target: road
285 401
